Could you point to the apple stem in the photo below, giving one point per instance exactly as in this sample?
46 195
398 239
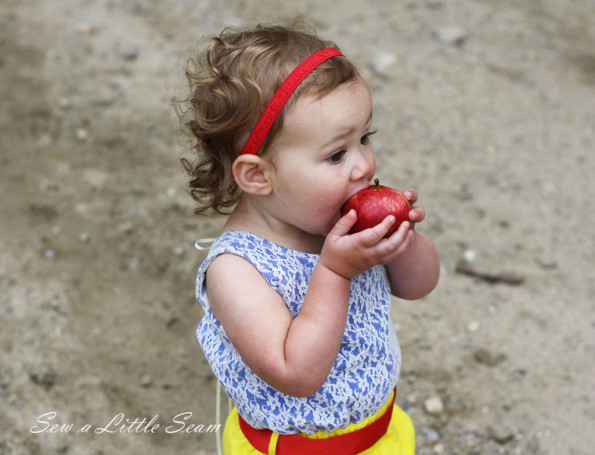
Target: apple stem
377 183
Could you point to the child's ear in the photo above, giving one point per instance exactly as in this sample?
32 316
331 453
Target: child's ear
251 175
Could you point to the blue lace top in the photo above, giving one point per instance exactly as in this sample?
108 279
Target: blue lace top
363 375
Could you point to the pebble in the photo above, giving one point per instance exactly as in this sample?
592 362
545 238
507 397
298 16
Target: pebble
47 211
382 62
146 381
81 134
65 103
62 448
101 100
489 358
452 35
469 255
84 28
546 262
84 237
500 433
434 405
43 375
126 228
135 264
430 434
464 193
48 253
473 326
131 52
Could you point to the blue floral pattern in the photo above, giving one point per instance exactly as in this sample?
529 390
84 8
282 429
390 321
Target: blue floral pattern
367 366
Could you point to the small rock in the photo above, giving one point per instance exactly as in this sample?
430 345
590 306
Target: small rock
95 178
126 228
464 193
452 35
430 434
473 326
84 28
469 255
48 253
101 101
500 433
131 52
81 134
546 262
84 237
43 375
457 405
434 405
488 357
47 211
115 85
135 264
382 62
44 141
146 381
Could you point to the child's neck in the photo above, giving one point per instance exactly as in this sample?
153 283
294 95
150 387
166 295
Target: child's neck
250 217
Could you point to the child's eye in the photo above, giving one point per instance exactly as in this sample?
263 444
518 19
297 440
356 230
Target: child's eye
337 157
365 139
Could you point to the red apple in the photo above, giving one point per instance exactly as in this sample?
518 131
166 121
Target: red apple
374 203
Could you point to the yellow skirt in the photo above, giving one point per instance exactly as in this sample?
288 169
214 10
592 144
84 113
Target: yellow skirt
399 438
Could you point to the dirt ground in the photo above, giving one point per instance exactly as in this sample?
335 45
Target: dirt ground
486 107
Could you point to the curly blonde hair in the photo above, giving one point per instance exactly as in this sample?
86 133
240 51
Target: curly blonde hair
230 82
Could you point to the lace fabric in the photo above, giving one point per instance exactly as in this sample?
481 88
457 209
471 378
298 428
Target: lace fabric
365 371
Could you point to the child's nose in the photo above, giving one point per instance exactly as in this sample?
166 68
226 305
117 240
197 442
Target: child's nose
364 166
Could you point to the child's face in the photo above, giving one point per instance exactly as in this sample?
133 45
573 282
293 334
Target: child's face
322 156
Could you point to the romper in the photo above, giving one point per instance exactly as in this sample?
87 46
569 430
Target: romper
367 365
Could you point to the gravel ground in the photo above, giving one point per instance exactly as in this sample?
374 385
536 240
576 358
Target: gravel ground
485 107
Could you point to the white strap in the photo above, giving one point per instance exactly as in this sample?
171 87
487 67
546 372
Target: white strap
218 417
202 245
207 242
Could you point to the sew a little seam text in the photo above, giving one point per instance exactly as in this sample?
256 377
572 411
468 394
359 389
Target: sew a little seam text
46 423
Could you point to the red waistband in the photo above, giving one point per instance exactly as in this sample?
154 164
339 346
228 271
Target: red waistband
346 444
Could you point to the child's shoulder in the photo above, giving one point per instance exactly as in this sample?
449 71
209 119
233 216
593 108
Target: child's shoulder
238 253
244 244
255 249
235 241
241 264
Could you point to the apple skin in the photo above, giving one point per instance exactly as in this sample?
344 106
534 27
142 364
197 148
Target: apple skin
374 203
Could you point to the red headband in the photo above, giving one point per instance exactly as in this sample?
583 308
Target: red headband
283 93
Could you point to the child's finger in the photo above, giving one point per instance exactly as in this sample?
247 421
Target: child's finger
375 234
417 214
398 243
411 195
344 225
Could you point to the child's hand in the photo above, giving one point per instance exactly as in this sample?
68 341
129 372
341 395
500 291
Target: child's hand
350 255
416 214
415 274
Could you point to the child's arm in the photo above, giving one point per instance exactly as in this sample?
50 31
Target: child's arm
295 355
415 272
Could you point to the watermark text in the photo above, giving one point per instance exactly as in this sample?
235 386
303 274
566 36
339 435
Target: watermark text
120 423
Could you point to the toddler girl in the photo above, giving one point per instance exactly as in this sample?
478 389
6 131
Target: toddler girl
297 324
